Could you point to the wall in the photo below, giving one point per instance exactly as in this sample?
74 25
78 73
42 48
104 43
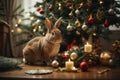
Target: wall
114 36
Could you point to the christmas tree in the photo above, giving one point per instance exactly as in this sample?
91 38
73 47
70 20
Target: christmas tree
82 21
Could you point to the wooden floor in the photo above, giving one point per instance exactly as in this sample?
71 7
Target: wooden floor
92 74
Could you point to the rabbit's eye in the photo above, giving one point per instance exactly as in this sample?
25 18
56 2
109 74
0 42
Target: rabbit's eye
52 33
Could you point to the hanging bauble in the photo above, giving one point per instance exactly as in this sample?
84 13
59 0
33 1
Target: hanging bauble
81 4
69 27
65 55
71 13
106 23
84 27
84 66
69 5
50 8
91 20
41 11
77 12
38 8
73 55
77 23
111 11
55 64
105 57
78 32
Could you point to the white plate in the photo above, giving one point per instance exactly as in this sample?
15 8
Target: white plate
41 71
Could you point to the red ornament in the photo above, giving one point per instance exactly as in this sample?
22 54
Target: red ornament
84 66
41 11
106 23
74 43
68 5
50 8
65 55
91 20
39 8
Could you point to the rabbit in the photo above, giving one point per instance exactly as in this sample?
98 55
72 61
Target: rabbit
43 48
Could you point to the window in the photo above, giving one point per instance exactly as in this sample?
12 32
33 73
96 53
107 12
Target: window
29 5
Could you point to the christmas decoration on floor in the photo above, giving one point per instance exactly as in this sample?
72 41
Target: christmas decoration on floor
115 49
83 23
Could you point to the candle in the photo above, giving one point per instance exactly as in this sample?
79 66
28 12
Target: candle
88 48
69 65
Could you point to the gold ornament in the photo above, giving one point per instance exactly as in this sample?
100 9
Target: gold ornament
73 56
71 13
81 4
105 57
77 23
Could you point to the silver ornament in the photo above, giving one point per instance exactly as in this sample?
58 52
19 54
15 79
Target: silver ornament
55 63
84 27
69 27
111 11
73 55
77 11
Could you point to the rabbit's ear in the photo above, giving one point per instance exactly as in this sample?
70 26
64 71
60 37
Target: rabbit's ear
57 23
48 24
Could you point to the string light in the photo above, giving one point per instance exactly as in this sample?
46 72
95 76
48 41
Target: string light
28 14
19 20
38 21
12 30
16 25
34 30
33 24
19 30
59 8
31 17
94 34
101 2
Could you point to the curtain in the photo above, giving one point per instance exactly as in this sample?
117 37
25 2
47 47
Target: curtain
9 7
